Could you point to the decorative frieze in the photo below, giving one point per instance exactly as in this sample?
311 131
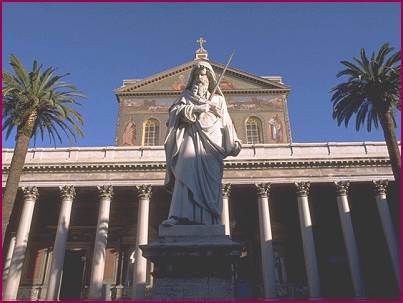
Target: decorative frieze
380 187
263 189
302 188
67 192
30 192
342 187
226 190
144 191
105 191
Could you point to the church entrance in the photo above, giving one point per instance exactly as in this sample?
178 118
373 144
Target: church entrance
73 275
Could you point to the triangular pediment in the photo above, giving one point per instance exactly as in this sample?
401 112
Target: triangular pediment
175 79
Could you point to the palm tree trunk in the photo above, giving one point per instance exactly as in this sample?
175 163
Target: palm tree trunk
388 127
17 164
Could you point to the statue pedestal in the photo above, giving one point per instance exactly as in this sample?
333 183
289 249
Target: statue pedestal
193 262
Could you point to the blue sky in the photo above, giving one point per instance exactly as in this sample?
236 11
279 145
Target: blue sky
100 44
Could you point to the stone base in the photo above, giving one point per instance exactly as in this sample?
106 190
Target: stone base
193 289
193 262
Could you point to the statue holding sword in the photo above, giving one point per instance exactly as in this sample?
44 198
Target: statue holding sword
200 135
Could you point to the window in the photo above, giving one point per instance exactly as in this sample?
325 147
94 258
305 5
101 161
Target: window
253 130
151 132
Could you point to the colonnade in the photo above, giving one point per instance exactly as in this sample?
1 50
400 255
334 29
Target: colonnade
18 244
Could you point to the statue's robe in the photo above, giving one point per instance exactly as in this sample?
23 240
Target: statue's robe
195 147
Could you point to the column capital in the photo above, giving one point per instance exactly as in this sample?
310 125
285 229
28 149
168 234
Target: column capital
30 192
342 187
226 190
67 192
263 189
302 188
144 191
105 191
380 186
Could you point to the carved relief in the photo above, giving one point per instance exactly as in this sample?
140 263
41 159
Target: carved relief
67 192
105 191
302 188
226 190
342 187
380 187
30 192
144 191
263 189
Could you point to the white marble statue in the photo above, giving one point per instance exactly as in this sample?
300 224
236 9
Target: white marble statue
200 135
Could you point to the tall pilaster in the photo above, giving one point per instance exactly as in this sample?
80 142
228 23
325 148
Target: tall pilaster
67 194
101 239
17 261
140 263
387 226
305 222
226 190
266 241
349 238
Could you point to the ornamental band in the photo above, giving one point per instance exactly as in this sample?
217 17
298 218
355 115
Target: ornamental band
200 135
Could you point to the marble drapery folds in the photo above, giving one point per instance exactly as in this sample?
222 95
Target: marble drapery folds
195 147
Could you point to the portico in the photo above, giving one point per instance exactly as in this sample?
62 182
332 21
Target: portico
286 228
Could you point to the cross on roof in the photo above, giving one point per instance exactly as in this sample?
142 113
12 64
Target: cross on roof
201 41
201 53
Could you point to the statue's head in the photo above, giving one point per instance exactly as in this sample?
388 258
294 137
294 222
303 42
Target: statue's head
201 79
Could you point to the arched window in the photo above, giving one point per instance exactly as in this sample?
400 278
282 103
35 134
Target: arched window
129 135
253 130
151 131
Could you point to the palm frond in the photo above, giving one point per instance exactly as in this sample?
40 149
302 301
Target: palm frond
44 92
372 86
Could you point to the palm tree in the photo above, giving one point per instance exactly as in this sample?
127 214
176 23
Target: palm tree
34 103
371 94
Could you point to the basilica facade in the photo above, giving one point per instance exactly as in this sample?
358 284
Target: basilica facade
315 220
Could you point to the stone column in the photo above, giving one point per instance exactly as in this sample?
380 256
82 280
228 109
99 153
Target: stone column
349 238
226 189
140 263
266 241
67 194
101 239
387 226
7 261
311 265
17 261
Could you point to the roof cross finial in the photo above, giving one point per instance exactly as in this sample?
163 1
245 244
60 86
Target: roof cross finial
201 41
201 53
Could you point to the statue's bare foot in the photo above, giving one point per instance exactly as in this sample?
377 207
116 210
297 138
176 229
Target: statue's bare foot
170 222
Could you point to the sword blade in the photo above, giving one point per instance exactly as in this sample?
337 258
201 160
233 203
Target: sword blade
221 76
